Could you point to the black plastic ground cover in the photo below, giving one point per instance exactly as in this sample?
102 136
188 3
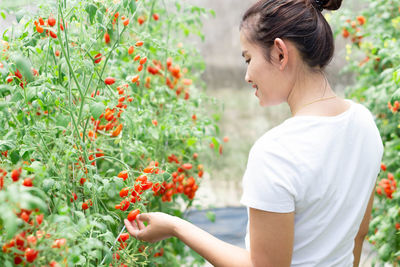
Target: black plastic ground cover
229 226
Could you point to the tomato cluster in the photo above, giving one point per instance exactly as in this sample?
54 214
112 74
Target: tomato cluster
387 185
354 30
83 110
23 245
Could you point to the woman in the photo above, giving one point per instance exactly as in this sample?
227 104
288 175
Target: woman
309 182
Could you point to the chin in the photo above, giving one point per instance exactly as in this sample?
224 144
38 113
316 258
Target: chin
264 103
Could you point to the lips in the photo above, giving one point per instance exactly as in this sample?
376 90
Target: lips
255 86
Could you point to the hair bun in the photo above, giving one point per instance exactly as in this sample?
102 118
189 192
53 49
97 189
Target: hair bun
327 4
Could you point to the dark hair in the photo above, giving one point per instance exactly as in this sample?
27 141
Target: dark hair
299 21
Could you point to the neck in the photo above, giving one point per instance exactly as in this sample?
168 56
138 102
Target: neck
307 88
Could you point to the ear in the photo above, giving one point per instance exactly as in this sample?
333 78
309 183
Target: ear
282 53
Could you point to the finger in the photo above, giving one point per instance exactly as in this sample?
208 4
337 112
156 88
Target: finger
140 224
132 228
144 217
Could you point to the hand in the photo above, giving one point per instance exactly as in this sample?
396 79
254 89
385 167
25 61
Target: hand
160 226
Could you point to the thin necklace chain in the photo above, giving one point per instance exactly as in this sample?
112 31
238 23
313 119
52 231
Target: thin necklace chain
321 99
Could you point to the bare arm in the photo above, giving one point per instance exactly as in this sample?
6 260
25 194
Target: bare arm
362 232
266 229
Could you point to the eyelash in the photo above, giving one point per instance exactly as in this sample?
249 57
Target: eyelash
247 61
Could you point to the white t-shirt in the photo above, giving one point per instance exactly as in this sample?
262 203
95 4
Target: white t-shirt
322 168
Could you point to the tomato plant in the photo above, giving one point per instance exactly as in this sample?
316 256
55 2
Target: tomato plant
96 107
373 54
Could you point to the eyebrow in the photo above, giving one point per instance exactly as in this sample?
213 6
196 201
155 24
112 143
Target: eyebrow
244 53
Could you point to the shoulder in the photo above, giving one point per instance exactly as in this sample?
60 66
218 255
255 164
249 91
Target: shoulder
281 139
277 149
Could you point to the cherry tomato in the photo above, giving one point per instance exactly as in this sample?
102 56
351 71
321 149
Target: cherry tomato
51 21
109 80
133 214
30 254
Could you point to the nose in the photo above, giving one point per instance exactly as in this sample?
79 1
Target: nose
247 77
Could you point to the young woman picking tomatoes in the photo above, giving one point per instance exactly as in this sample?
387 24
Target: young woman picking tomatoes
309 182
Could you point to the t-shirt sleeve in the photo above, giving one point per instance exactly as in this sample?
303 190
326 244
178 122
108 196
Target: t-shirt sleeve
269 180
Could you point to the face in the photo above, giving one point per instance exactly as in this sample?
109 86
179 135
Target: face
265 77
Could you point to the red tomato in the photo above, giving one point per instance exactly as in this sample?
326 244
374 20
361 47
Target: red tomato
109 80
117 131
133 214
106 38
39 219
123 237
97 58
156 16
123 175
27 182
24 216
39 29
383 167
15 174
59 243
140 20
124 192
126 22
131 49
51 21
143 60
85 206
125 204
139 43
187 166
30 254
345 33
17 260
53 34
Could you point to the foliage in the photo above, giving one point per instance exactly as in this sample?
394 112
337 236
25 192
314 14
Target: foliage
100 114
373 55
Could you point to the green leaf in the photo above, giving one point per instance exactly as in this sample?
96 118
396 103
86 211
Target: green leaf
211 216
5 88
3 15
47 184
35 203
166 175
96 109
16 97
24 66
3 105
91 9
10 222
216 143
384 252
6 145
154 133
132 5
14 156
191 141
212 12
395 96
108 218
62 121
